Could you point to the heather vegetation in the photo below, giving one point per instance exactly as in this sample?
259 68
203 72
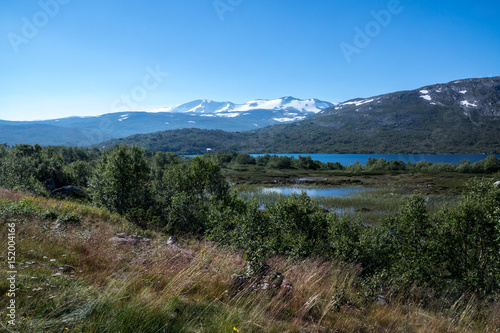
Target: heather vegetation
290 265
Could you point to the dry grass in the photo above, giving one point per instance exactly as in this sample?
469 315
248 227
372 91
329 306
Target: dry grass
188 288
12 195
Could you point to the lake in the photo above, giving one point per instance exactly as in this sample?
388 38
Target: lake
348 159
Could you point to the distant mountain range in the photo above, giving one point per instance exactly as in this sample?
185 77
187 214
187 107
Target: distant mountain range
204 114
457 117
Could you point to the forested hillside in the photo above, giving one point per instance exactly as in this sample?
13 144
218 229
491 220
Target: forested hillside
109 212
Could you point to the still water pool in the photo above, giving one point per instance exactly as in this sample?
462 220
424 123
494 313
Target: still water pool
314 191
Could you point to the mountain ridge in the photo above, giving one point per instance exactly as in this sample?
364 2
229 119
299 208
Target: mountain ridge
462 116
204 114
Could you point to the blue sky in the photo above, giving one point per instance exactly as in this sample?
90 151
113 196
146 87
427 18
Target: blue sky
63 58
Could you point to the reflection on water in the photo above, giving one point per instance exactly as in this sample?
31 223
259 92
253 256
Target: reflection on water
314 191
369 203
348 159
324 195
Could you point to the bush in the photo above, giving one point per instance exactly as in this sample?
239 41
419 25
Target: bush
70 218
298 225
244 159
49 214
121 180
188 190
346 238
411 243
78 173
470 239
491 164
254 235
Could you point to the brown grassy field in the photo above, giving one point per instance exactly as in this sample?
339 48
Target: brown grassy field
72 278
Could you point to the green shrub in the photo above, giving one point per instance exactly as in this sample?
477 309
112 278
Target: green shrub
299 226
346 238
254 235
49 214
411 243
469 239
70 218
120 181
187 191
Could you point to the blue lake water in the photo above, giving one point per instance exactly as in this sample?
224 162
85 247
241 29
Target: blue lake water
311 191
347 159
314 191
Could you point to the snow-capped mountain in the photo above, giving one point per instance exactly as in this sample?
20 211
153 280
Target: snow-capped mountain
460 117
293 109
204 114
466 97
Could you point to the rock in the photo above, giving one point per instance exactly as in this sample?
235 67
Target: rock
238 283
68 268
134 239
172 240
119 240
381 300
286 285
68 191
49 184
497 183
271 281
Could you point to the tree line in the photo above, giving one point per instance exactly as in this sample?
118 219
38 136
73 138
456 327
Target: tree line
453 251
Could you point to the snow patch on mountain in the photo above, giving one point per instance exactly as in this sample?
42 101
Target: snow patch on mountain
424 93
467 104
230 110
288 119
356 102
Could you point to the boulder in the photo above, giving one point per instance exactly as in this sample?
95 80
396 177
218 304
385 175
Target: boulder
286 286
381 300
265 279
49 184
172 240
68 191
122 238
119 240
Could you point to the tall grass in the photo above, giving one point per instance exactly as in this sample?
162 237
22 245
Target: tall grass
105 287
369 205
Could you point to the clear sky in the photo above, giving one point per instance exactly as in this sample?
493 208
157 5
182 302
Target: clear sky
63 58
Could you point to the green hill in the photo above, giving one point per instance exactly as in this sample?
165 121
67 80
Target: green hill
457 117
